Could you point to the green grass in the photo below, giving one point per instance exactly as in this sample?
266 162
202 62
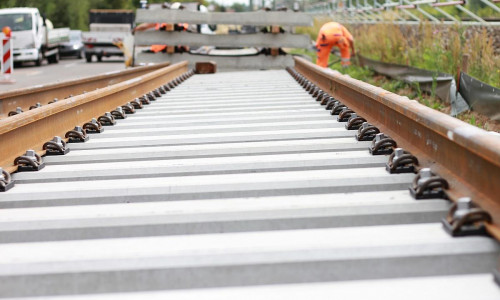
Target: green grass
396 86
439 49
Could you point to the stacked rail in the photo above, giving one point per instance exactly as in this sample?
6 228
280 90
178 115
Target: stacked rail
239 183
273 40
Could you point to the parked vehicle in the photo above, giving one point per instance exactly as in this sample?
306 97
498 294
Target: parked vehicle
108 30
75 45
34 37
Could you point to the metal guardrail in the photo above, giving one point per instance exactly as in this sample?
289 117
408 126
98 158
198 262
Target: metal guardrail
371 11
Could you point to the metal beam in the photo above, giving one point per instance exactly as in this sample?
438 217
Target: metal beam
491 5
251 62
411 15
260 18
222 40
444 13
471 14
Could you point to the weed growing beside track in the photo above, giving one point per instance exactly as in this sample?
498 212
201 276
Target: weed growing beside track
404 89
435 48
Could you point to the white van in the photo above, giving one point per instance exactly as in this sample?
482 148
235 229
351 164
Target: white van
34 37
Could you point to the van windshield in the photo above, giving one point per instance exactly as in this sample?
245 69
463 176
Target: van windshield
16 22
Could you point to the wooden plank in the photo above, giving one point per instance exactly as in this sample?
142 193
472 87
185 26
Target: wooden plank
222 40
259 18
253 62
206 67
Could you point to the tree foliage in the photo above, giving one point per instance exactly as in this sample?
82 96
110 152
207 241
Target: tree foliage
75 13
70 13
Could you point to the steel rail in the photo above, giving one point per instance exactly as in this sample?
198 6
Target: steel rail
43 94
31 129
466 156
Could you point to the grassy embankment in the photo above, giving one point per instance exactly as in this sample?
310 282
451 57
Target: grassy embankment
430 49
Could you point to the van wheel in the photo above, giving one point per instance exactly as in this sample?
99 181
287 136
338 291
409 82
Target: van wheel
39 60
53 59
88 57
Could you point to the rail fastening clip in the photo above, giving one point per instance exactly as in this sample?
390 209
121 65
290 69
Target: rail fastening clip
136 103
28 162
118 113
6 182
354 122
427 185
382 145
77 135
401 161
15 112
56 146
93 126
367 132
465 219
345 114
37 105
107 119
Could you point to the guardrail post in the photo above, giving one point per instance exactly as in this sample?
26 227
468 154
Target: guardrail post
465 63
7 59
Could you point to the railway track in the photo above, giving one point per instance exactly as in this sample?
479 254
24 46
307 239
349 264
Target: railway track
242 183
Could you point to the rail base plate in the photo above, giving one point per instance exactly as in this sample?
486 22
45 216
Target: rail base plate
8 186
439 194
53 153
101 130
78 140
465 230
30 168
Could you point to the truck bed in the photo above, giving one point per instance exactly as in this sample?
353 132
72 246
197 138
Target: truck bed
57 36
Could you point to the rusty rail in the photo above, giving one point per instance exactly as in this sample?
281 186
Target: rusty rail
44 94
468 157
31 129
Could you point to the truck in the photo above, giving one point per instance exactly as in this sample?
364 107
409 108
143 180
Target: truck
34 37
109 29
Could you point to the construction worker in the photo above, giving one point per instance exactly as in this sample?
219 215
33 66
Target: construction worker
333 34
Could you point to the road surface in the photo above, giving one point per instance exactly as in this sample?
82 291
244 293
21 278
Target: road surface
67 68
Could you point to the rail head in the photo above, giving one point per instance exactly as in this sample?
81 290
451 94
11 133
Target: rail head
467 156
